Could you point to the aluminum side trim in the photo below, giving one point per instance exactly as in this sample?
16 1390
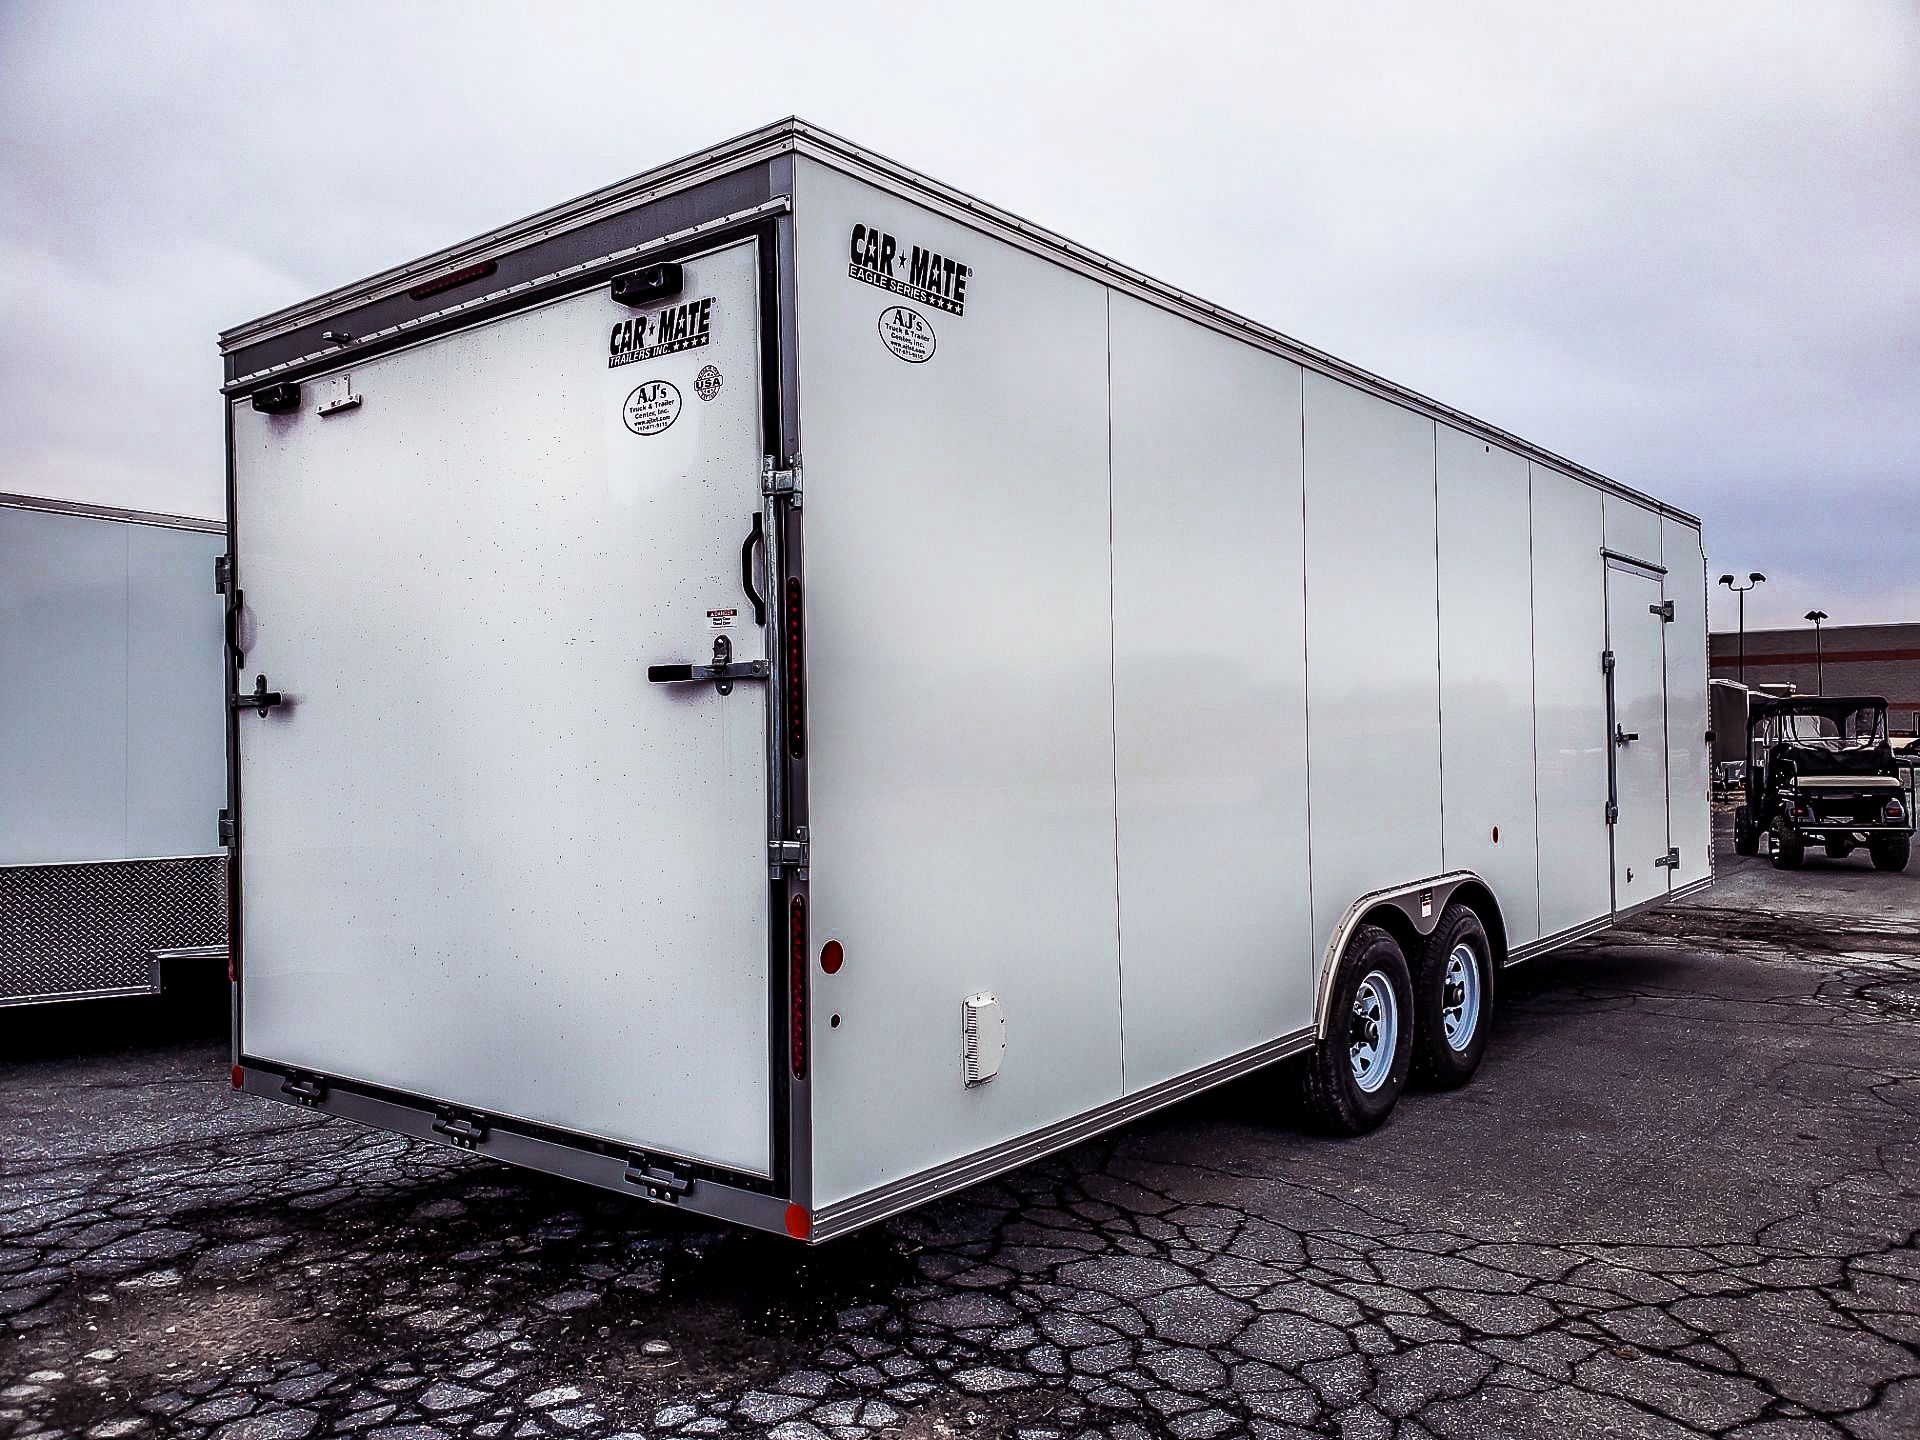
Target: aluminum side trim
889 1200
530 1152
160 519
8 1001
1693 887
1533 949
117 860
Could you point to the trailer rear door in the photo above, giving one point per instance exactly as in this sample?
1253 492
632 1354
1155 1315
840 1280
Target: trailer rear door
483 861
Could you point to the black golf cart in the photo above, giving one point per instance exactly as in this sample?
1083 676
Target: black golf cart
1820 769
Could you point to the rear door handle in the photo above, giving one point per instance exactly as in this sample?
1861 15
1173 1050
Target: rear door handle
746 571
1624 737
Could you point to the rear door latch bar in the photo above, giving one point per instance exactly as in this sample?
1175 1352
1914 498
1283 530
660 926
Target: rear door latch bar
722 672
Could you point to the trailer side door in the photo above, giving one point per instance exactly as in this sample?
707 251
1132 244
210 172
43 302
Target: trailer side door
1636 714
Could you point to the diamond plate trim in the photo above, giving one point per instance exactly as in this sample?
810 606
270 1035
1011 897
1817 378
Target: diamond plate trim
69 930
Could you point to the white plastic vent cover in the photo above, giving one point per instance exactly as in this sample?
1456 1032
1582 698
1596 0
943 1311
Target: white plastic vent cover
983 1037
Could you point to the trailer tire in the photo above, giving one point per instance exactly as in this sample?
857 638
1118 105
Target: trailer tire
1789 847
1452 999
1746 838
1839 847
1890 852
1352 1078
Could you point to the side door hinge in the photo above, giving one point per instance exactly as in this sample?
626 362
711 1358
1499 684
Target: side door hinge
1670 860
1613 812
1664 610
663 1181
226 826
1606 662
222 573
465 1128
788 854
779 483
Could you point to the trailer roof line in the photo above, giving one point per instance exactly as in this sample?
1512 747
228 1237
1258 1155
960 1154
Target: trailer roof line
794 135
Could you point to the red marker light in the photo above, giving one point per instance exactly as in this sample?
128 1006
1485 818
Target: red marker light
239 1077
832 957
797 986
799 1223
453 279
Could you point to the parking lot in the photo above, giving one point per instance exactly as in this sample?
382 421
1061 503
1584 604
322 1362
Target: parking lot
1682 1197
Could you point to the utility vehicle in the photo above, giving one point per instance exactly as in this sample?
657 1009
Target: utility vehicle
1820 770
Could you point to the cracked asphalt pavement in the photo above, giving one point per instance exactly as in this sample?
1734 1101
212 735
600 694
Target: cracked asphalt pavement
1681 1198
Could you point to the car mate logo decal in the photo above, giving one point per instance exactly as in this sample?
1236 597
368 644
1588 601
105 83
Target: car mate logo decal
935 280
686 326
651 407
908 334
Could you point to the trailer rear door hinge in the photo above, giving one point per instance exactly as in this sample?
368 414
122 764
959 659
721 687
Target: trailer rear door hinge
1613 812
226 827
663 1182
1606 662
788 854
304 1089
1670 860
1664 610
780 483
222 574
465 1129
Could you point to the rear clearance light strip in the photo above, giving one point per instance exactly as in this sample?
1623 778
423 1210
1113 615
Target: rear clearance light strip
453 279
797 987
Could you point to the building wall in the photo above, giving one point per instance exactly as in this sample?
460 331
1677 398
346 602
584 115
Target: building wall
1858 660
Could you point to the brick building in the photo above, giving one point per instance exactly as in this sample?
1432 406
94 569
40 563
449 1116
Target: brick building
1852 660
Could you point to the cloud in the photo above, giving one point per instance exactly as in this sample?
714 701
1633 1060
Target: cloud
1678 243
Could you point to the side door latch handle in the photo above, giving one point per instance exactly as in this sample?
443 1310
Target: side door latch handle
259 698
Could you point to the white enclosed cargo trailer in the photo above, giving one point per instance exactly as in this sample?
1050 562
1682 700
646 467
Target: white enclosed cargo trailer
782 689
112 750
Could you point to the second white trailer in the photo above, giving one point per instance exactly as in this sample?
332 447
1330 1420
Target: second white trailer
783 689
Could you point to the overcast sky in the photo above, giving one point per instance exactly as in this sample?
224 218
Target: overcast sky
1678 242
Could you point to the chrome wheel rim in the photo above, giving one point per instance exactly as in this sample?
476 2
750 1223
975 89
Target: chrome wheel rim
1376 1031
1460 997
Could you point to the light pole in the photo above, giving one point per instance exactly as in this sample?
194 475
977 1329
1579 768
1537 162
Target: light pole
1819 663
1753 578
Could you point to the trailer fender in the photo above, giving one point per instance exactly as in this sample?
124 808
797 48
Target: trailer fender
1408 912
